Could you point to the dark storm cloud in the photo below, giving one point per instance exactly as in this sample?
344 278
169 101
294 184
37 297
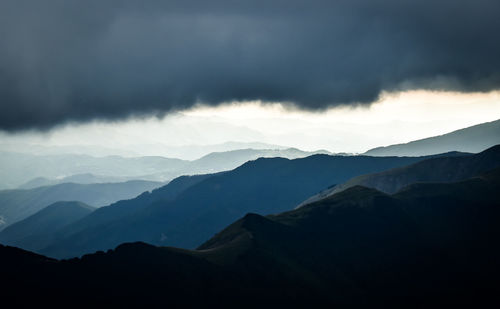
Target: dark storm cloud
64 60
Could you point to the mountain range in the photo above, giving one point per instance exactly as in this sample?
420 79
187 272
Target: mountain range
21 170
37 231
187 152
472 139
99 190
85 178
438 169
205 204
388 231
428 245
16 205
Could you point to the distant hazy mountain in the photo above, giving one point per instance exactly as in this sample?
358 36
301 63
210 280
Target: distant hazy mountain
186 152
228 160
29 171
16 205
37 231
17 169
439 169
472 139
86 178
191 216
429 245
194 152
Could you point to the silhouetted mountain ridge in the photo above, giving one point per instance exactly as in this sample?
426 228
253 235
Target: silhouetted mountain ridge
428 245
37 231
28 170
437 169
265 186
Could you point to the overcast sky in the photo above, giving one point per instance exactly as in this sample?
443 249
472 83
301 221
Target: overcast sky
396 118
69 61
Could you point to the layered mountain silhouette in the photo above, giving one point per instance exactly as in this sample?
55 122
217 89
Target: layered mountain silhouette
85 178
28 170
37 231
97 190
429 245
187 152
264 186
18 168
16 205
439 169
472 139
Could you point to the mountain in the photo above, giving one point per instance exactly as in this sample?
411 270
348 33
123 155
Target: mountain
228 160
472 139
26 171
121 210
37 231
427 242
194 152
187 152
17 168
438 169
85 178
15 205
429 245
265 186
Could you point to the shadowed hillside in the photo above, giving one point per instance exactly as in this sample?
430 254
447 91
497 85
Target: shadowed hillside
16 205
430 245
262 186
439 169
37 231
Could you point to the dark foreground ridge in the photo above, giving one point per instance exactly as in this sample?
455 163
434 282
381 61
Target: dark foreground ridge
429 245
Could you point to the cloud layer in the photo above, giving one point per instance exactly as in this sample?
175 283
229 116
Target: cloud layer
68 60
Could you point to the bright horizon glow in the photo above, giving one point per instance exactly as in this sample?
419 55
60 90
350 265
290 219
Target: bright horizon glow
394 118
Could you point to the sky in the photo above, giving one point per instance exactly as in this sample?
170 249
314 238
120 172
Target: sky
395 118
342 75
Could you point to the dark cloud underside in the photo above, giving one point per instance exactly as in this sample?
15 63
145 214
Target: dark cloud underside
63 60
